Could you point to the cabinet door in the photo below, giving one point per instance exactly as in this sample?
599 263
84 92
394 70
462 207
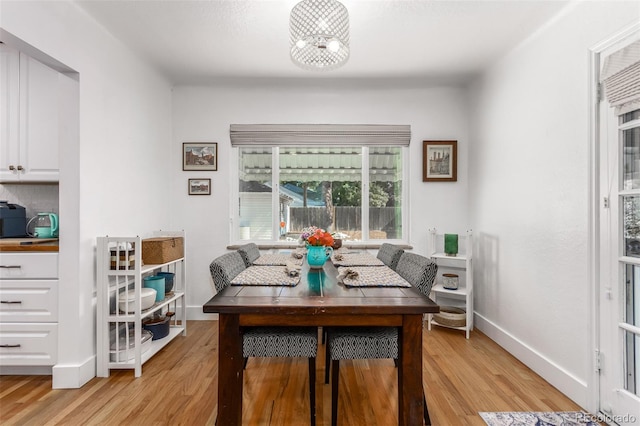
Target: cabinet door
39 99
9 112
28 344
28 301
17 266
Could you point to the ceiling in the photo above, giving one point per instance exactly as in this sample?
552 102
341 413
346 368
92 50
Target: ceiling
194 42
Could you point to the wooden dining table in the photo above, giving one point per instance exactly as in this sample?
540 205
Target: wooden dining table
319 300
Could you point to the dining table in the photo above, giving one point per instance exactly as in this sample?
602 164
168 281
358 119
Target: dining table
319 299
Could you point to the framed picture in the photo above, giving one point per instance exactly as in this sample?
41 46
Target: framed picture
199 186
439 161
200 156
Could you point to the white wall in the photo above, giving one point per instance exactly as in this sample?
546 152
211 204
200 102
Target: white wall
204 114
114 161
529 196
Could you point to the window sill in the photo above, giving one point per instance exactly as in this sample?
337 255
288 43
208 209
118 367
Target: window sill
291 246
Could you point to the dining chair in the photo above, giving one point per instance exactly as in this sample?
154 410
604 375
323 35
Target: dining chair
390 254
375 342
268 342
249 252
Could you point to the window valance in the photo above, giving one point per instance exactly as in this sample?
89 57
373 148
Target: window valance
621 77
320 135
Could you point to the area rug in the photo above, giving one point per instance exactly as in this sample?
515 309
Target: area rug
523 418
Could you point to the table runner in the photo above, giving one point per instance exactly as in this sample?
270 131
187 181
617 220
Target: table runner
371 276
266 276
356 259
277 259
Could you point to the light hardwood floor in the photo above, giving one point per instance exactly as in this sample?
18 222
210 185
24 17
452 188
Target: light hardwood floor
179 387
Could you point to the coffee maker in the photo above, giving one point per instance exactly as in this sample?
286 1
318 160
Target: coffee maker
13 220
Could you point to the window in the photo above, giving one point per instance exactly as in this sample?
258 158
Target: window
385 193
630 202
356 192
255 194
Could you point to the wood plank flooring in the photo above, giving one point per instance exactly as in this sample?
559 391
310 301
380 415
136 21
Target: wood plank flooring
179 387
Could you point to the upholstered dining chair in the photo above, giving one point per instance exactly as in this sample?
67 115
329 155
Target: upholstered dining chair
375 342
249 252
390 254
268 342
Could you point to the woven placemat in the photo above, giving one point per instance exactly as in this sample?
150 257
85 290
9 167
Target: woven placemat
265 276
356 259
370 276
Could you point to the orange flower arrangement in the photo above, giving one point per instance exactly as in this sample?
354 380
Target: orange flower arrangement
318 237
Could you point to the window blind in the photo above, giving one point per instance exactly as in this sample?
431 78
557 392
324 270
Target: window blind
621 78
320 134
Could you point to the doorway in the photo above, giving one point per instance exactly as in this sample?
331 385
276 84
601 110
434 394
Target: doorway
618 254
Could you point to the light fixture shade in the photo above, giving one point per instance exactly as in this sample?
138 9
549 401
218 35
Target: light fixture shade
319 34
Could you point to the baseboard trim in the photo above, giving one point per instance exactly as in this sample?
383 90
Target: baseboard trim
31 370
73 376
574 388
195 313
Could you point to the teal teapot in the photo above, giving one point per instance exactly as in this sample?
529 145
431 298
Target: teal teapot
45 226
318 255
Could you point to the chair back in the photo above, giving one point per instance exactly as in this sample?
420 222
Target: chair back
390 255
418 270
250 253
225 268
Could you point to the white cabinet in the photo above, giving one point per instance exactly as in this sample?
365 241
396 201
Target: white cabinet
28 344
460 265
120 343
9 112
30 99
28 309
23 265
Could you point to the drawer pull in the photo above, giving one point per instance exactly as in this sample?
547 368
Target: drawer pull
10 346
10 266
11 302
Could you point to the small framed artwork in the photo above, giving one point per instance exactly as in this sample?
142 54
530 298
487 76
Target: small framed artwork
200 156
199 186
439 161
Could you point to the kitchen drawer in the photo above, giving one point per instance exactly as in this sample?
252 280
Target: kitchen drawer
28 265
28 344
28 300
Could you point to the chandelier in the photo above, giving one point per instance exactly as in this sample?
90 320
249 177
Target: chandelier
319 34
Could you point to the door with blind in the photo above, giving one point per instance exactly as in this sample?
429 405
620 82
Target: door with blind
619 280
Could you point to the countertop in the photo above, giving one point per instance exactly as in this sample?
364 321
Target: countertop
28 244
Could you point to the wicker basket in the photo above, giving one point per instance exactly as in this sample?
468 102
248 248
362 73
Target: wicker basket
451 316
160 250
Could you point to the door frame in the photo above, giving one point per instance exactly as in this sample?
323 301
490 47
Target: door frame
595 204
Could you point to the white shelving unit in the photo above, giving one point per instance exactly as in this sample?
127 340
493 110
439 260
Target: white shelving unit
462 265
124 272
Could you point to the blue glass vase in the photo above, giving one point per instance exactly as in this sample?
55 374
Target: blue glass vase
317 255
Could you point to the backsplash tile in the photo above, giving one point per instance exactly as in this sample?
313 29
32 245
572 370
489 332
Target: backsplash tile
33 197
